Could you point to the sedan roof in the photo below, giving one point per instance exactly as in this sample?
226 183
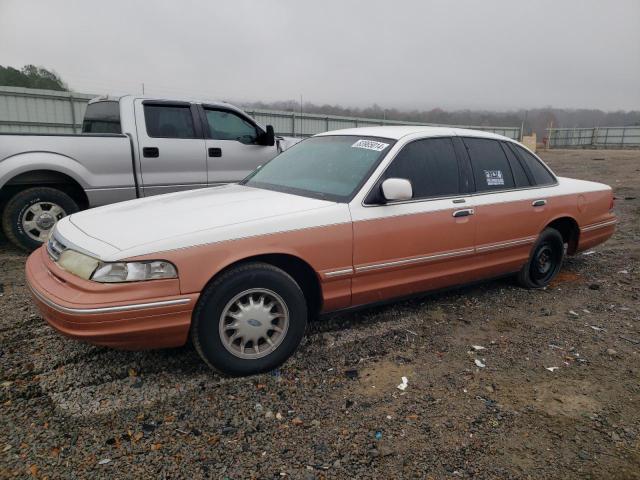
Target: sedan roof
396 132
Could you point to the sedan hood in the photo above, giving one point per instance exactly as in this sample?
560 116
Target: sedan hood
190 218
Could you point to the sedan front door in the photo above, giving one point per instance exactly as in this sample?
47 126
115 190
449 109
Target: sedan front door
421 244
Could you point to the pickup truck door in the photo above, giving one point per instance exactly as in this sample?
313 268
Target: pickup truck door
232 145
171 147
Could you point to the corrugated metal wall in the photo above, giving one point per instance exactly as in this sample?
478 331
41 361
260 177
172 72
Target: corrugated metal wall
47 111
599 137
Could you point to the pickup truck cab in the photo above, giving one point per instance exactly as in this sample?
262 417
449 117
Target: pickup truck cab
343 219
130 147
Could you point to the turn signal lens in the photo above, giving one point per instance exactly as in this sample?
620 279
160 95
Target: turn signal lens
117 272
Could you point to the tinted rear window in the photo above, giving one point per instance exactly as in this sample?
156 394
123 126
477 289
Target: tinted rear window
169 121
102 117
519 174
491 169
541 175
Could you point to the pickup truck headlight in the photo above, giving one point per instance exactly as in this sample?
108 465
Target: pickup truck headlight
115 272
91 268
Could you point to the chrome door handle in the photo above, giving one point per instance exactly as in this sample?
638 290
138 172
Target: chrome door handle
463 213
539 203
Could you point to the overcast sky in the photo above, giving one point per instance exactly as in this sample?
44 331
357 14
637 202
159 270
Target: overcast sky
493 54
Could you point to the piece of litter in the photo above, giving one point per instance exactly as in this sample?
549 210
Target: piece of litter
624 272
104 461
478 347
479 363
404 384
575 314
597 329
378 435
585 310
590 252
552 369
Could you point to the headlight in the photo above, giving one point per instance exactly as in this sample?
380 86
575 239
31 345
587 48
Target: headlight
115 272
91 268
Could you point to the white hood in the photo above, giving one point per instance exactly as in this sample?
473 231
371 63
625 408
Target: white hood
195 217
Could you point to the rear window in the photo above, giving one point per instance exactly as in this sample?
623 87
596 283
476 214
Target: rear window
102 117
491 169
169 121
541 175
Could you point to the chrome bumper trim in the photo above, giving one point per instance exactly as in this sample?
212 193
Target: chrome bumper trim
118 308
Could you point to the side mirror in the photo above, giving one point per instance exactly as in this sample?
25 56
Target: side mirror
396 189
269 137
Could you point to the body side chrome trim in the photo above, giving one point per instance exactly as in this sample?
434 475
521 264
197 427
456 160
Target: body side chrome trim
118 308
407 261
501 245
595 226
339 273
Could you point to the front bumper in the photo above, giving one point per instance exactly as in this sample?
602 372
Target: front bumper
131 316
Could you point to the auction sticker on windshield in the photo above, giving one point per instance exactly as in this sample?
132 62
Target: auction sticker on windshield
370 145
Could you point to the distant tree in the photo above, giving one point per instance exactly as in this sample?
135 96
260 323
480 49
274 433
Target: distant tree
31 76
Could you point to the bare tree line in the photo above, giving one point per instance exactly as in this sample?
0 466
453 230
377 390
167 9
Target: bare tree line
535 120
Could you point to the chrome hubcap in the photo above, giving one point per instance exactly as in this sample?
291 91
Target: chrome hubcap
39 218
254 323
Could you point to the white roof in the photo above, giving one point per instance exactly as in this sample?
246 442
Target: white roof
398 131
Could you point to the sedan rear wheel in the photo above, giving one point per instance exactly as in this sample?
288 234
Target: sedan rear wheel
545 260
249 320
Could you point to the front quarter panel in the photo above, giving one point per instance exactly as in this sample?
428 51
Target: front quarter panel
326 247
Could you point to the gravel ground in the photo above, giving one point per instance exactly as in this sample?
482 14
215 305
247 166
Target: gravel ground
71 410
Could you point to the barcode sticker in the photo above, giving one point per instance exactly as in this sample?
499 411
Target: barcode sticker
370 145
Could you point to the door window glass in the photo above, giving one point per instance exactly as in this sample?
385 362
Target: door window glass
430 165
491 169
519 174
226 125
169 121
541 175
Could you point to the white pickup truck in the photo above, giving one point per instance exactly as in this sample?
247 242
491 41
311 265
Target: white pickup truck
130 147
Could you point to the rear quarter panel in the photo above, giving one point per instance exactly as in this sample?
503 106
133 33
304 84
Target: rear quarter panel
101 164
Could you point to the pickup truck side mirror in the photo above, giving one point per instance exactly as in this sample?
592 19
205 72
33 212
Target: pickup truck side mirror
269 137
396 189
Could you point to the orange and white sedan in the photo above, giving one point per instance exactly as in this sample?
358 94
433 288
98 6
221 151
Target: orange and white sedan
341 220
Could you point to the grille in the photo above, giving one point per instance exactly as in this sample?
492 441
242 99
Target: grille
55 248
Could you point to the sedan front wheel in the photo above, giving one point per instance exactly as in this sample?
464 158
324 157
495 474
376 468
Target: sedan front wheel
249 320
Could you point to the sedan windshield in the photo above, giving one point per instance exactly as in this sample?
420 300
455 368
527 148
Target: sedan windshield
327 167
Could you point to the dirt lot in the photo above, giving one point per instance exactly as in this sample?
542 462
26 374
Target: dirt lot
334 411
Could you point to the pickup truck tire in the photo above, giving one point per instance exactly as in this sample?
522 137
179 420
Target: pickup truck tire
545 260
30 214
249 320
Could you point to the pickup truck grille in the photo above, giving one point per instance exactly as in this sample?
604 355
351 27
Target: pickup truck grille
55 248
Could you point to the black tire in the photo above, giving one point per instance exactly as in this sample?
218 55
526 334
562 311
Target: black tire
544 262
205 325
16 208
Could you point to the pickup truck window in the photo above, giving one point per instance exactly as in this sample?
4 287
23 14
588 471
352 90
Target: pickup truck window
169 121
102 117
430 165
226 125
326 167
491 169
541 175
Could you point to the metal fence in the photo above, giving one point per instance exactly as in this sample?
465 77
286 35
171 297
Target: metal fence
48 111
599 137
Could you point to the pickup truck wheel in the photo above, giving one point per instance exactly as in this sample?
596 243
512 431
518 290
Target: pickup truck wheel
250 320
30 214
545 260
